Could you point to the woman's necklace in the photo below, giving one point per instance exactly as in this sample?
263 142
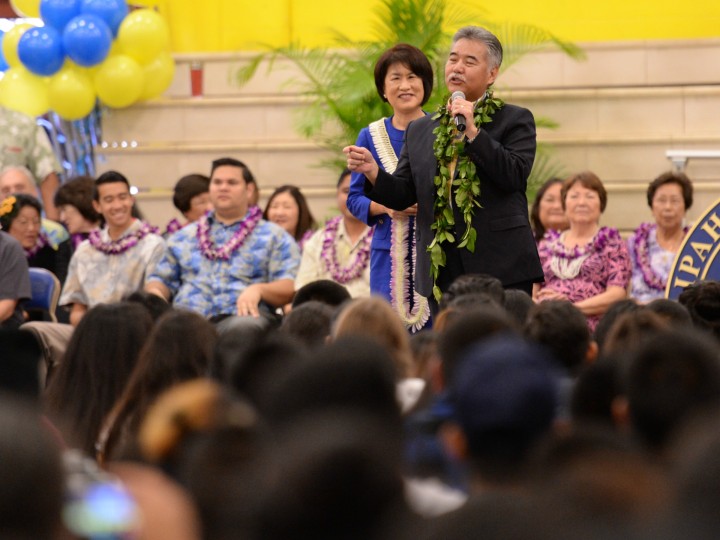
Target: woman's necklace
566 262
40 243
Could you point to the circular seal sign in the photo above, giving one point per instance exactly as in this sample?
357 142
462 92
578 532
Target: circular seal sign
697 258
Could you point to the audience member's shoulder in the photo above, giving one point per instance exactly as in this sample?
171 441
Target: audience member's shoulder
10 245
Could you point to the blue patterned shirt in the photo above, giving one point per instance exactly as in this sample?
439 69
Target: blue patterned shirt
211 287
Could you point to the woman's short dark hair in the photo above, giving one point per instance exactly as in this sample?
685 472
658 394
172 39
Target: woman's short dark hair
187 187
21 201
78 192
672 177
537 226
412 58
588 180
306 221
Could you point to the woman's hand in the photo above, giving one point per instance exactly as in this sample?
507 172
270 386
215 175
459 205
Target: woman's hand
549 294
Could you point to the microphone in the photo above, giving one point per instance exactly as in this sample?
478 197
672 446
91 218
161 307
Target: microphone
459 118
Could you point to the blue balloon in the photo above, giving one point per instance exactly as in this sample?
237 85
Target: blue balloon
57 13
111 11
87 40
3 63
41 50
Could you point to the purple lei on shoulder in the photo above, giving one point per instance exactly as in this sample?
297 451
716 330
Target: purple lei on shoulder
122 244
224 252
40 243
328 254
305 237
641 252
599 241
173 226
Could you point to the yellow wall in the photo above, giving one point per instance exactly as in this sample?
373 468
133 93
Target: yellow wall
231 25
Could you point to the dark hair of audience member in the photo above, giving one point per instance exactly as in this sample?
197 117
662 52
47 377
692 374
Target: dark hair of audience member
97 364
189 186
323 290
232 162
607 320
702 301
630 330
672 375
459 305
598 479
518 304
338 477
179 348
109 177
374 319
155 305
309 323
351 373
259 369
212 444
78 192
233 343
695 469
594 393
473 283
671 311
423 346
21 362
474 326
562 329
31 468
502 515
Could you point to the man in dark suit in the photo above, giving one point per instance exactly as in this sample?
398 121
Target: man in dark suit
502 150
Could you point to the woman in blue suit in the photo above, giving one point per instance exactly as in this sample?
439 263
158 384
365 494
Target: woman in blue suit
404 79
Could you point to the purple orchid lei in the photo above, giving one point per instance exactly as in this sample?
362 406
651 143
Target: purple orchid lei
173 226
305 237
122 244
40 243
641 252
599 241
224 252
328 254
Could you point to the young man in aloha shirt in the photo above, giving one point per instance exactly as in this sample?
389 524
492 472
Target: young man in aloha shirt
116 260
230 260
340 251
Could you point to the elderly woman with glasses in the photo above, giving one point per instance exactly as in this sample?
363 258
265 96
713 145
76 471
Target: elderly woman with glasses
653 246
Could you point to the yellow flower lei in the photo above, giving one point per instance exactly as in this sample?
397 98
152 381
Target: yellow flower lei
447 148
7 206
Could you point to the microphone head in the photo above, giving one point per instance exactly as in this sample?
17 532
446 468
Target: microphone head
457 94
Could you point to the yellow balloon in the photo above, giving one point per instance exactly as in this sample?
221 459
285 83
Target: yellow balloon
26 8
22 91
143 35
71 93
10 43
158 75
119 81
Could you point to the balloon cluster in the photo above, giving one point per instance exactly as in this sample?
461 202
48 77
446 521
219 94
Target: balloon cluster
87 49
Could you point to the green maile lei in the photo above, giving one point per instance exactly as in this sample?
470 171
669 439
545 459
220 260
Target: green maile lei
466 184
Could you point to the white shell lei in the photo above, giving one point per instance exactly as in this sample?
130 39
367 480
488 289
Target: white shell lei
400 291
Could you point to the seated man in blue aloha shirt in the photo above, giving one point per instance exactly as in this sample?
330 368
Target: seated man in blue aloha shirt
230 260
